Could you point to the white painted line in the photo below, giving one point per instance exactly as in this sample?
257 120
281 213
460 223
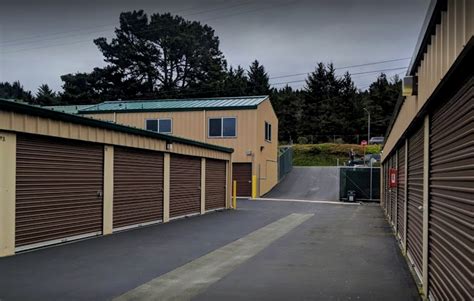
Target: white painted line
307 201
195 277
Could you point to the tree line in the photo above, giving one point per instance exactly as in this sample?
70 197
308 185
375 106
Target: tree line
166 56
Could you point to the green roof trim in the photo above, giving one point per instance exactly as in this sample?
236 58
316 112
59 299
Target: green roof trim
47 113
177 105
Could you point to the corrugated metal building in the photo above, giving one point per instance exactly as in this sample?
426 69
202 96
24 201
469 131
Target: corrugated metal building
428 158
66 177
247 124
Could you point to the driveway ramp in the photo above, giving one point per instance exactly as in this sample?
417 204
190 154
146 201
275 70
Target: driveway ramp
308 183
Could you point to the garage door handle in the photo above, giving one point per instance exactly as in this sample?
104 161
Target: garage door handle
250 181
420 208
99 194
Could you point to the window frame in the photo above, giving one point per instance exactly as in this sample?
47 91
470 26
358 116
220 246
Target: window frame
222 127
158 125
268 132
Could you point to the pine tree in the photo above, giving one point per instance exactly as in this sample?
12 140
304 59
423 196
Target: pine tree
236 82
15 91
258 80
45 96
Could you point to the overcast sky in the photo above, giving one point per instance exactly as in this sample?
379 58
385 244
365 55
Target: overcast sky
41 40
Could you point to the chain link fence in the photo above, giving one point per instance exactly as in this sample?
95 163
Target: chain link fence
365 181
285 161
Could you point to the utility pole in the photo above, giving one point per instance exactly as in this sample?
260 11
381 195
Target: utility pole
368 125
368 142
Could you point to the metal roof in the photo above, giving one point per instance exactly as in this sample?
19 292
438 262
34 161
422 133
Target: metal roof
196 104
57 115
70 109
432 18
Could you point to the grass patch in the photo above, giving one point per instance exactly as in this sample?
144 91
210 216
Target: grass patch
328 154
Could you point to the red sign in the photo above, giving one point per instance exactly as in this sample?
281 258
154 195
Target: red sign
393 178
363 142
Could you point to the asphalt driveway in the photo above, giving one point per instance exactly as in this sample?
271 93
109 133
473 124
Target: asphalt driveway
308 183
335 252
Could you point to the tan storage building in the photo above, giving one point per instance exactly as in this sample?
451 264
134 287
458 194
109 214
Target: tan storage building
247 124
65 177
429 155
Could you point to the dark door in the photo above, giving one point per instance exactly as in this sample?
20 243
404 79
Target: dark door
58 190
242 173
138 186
185 185
415 197
451 203
215 184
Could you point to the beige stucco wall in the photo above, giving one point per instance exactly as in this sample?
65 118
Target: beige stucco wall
250 134
452 35
193 125
267 157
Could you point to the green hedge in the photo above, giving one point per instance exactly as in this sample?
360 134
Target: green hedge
327 154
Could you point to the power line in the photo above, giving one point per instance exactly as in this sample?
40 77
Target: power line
345 67
41 37
365 72
143 31
193 92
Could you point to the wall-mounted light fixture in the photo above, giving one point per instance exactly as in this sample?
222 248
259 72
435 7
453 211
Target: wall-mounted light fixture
410 85
169 145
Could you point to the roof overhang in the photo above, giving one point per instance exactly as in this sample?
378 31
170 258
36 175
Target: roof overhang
55 115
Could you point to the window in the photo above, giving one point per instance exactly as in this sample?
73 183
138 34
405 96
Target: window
163 126
268 131
222 127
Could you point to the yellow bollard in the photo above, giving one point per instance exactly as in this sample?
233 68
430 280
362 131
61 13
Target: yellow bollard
254 187
234 195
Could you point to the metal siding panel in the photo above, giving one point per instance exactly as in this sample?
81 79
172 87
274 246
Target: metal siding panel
138 186
242 173
451 211
401 190
57 189
415 197
185 185
215 184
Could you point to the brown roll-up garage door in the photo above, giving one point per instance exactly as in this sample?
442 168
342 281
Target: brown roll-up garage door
185 185
451 209
58 190
215 184
242 173
415 197
401 191
138 187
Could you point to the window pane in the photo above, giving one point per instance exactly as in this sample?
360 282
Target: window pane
215 127
269 132
152 125
165 125
229 127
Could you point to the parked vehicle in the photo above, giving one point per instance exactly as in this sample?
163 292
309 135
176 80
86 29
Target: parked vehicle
375 157
376 140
